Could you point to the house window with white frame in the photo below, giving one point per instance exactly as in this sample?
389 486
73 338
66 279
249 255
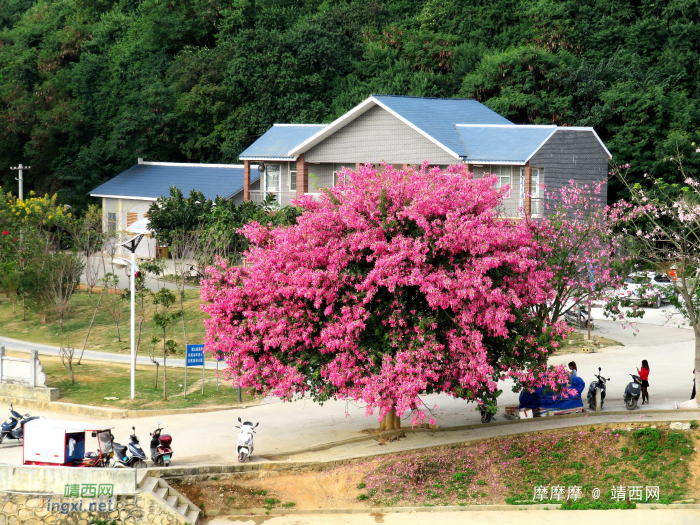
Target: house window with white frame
535 192
272 178
338 173
111 222
292 176
504 175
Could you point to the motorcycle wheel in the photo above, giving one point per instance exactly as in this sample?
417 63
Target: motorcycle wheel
2 438
241 457
486 417
631 404
591 403
140 464
658 302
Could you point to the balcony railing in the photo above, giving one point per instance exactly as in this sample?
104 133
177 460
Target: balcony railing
513 209
282 198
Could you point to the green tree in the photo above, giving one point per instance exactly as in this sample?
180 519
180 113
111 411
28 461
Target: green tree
165 319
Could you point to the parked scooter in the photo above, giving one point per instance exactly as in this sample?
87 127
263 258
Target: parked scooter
632 392
244 447
131 456
13 428
161 453
597 385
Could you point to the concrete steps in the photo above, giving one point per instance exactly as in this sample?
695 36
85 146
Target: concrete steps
171 498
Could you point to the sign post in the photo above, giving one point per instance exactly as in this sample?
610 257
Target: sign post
219 357
195 357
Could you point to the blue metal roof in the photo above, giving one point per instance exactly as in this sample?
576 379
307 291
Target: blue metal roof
153 180
502 143
279 140
437 117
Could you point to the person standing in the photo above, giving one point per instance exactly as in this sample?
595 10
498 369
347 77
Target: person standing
644 376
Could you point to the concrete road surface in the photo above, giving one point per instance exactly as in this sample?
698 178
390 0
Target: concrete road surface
208 438
517 517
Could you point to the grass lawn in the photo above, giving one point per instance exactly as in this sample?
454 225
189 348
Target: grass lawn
104 332
94 381
507 470
504 470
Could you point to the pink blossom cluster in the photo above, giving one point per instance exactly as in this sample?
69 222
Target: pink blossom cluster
395 284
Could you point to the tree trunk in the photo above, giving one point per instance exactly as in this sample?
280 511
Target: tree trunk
697 362
165 393
119 336
391 421
156 363
94 314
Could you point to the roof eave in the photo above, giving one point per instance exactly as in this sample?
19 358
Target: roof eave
129 197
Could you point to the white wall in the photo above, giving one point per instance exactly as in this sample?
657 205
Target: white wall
147 248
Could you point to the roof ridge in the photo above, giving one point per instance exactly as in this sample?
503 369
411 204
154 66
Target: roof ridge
190 164
428 98
294 124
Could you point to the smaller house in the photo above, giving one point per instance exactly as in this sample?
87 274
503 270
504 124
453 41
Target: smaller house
127 197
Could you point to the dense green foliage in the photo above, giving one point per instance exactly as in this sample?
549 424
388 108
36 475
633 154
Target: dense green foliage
87 86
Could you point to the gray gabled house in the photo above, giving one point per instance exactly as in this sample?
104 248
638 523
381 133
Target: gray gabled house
294 159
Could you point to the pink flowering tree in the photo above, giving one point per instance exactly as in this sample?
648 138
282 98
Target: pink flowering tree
661 223
580 249
393 285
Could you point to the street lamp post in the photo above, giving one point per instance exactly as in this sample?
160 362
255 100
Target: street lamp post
131 245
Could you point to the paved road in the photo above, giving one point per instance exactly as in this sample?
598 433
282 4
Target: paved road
92 355
519 517
103 265
208 438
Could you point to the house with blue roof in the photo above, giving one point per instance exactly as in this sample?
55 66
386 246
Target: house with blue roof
127 197
297 159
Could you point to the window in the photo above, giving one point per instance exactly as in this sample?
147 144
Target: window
338 173
503 174
292 176
272 178
535 201
111 222
131 218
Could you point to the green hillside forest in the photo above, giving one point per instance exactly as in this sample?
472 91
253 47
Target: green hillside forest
87 86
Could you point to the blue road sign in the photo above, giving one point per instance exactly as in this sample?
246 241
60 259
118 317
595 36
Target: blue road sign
195 355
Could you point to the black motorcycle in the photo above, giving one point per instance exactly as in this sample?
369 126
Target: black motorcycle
595 385
131 456
578 316
13 428
632 392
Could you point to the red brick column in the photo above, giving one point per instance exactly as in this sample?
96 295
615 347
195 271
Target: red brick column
527 204
246 180
302 176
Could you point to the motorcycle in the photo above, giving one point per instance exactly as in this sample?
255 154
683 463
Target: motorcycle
136 457
632 392
595 385
578 316
161 453
13 427
244 447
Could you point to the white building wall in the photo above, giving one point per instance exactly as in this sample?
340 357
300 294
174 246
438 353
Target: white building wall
123 207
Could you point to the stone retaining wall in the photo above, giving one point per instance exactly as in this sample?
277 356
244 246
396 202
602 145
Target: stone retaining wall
49 509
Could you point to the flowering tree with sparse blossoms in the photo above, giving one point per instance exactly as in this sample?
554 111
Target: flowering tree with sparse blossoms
579 247
392 285
662 226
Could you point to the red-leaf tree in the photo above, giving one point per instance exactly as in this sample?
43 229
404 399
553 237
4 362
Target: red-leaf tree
392 285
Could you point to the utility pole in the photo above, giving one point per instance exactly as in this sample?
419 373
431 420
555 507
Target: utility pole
21 169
